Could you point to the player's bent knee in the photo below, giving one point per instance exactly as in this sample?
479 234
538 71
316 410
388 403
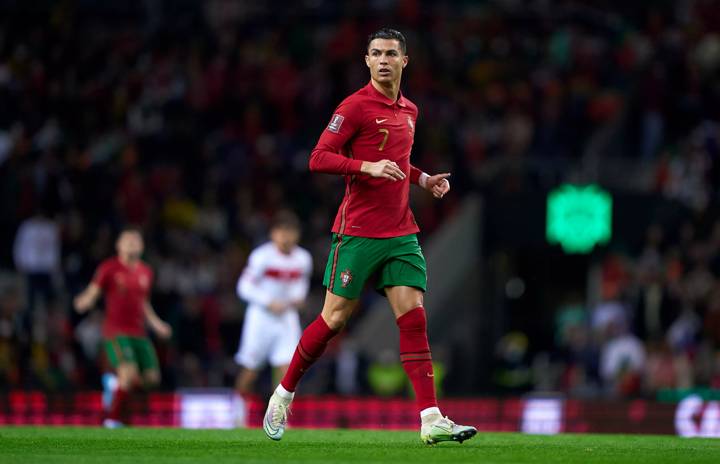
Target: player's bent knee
404 299
336 320
127 374
337 311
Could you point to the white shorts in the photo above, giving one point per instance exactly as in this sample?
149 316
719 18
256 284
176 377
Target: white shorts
268 338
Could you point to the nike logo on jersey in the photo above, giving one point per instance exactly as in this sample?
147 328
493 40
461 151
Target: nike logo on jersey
380 121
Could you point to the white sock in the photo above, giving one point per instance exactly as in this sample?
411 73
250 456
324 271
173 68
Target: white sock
430 415
282 393
113 382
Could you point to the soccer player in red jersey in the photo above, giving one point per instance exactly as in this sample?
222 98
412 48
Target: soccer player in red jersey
125 281
369 141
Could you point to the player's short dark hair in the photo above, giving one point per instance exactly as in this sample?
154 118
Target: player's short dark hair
389 34
285 219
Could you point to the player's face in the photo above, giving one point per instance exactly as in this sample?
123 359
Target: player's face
385 60
130 245
285 238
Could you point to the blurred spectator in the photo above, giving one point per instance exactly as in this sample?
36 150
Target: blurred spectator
37 258
577 354
622 360
512 371
607 317
10 346
711 324
682 334
656 306
661 371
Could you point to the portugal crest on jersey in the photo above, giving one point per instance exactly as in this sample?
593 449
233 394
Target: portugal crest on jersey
346 277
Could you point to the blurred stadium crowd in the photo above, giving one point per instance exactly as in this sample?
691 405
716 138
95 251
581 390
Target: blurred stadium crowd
195 121
655 329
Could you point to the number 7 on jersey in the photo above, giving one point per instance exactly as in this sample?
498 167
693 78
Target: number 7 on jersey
385 137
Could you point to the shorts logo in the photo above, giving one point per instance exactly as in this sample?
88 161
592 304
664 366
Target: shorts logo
335 123
346 277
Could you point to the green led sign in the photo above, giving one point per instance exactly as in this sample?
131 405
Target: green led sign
579 217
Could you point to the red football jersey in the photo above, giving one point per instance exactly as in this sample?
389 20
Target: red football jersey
368 126
125 289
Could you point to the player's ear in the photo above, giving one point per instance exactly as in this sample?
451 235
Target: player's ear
367 60
405 60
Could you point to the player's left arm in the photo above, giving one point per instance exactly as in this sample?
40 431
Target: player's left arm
160 327
299 289
437 184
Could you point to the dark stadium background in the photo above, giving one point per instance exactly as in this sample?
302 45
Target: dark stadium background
195 121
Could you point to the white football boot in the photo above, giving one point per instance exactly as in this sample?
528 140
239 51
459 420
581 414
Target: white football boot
444 429
276 416
112 424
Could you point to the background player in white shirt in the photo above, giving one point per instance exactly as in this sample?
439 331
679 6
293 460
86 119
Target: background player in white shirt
275 284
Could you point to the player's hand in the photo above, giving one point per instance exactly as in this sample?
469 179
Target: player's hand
438 184
277 307
384 168
82 303
163 330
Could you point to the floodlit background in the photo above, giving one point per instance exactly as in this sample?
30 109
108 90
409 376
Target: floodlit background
195 120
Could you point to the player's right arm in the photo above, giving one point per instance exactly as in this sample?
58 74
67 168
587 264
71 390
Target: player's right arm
85 301
326 157
298 290
248 287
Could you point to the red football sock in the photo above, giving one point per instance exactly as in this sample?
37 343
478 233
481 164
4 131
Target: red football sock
118 404
312 345
415 356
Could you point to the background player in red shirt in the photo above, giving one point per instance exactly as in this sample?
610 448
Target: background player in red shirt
369 140
125 280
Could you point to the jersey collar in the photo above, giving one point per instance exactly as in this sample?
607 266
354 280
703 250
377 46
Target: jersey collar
382 98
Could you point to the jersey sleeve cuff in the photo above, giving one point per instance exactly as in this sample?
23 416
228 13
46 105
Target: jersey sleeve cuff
422 180
355 166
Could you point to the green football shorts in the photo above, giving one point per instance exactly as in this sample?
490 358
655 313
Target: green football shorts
136 350
397 261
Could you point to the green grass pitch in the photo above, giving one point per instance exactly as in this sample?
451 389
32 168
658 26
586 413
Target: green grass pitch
48 445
